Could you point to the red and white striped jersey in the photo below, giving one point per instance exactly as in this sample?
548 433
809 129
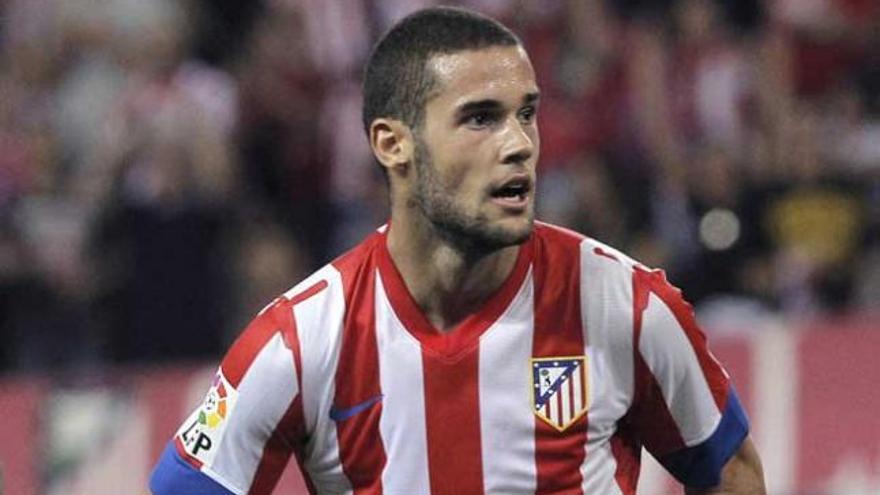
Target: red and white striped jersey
579 360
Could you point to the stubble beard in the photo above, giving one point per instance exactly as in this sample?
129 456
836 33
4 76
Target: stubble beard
470 233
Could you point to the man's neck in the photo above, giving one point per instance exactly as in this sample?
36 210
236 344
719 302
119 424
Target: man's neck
446 282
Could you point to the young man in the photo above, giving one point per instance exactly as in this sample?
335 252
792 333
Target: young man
463 348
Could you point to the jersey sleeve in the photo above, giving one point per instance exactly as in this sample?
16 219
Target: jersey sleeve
241 436
685 408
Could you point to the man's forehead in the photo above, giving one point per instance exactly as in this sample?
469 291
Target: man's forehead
478 73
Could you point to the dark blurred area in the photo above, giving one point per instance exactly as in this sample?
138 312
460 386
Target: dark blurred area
168 167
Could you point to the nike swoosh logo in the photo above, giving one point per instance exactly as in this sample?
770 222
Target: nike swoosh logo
341 414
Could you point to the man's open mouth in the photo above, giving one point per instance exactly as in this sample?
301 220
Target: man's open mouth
515 189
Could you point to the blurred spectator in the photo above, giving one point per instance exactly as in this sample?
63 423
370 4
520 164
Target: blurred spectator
284 155
164 175
43 322
815 221
726 241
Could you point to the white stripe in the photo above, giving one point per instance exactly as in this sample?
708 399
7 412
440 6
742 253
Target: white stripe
319 328
577 385
566 390
674 364
606 307
553 402
402 424
653 478
599 469
264 394
774 424
507 423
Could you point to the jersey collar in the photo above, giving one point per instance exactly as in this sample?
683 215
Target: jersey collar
464 336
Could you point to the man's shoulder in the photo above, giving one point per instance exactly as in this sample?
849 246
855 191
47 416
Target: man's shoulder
592 252
330 283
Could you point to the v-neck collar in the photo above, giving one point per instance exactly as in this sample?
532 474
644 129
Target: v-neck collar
464 336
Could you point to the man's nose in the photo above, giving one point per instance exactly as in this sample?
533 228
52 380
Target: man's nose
518 145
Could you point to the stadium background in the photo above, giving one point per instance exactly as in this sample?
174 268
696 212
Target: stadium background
167 167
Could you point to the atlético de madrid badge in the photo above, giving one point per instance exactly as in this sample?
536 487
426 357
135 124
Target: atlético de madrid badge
559 389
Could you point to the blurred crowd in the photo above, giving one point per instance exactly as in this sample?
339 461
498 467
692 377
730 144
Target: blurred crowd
168 167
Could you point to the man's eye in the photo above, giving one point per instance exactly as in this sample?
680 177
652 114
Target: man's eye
527 114
480 119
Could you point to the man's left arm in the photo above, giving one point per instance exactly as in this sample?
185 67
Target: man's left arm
686 410
742 475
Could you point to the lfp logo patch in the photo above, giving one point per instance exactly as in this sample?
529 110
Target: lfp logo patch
200 435
214 409
559 385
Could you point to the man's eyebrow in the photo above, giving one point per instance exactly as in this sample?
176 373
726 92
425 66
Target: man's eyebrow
531 97
491 104
472 106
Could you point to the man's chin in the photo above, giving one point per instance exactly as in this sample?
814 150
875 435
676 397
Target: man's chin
507 234
481 236
521 233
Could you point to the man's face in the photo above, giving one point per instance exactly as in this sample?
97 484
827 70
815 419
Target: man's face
476 151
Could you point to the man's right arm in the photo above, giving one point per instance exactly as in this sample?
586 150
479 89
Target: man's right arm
241 436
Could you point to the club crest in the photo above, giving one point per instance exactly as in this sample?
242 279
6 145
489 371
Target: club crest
559 389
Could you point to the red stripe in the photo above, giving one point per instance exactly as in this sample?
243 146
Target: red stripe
627 455
245 349
357 375
558 332
601 252
650 417
289 434
452 417
657 429
287 437
684 314
311 291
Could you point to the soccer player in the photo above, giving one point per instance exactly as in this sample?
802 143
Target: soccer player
465 348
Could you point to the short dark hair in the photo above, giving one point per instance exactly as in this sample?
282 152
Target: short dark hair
397 81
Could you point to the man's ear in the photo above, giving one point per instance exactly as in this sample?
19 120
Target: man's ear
392 144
